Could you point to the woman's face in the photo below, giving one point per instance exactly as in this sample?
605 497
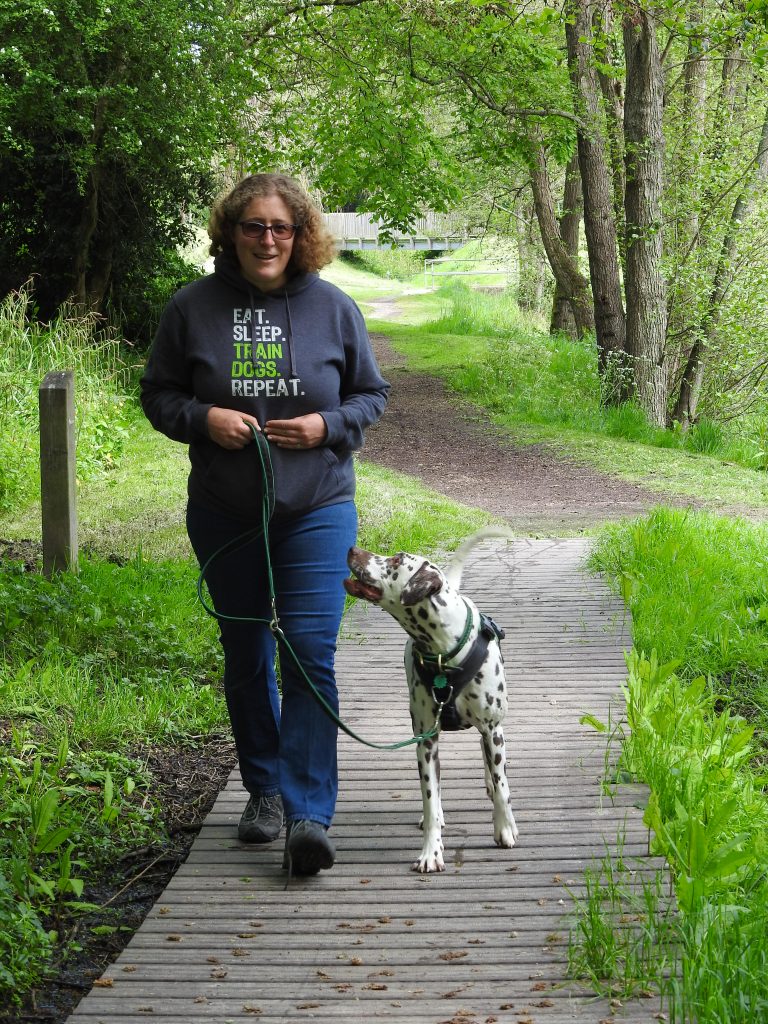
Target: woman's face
264 261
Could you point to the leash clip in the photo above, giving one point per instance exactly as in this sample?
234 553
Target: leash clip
274 624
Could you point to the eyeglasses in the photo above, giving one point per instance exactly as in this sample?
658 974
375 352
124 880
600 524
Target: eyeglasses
255 229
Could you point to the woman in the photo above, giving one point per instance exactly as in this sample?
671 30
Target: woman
264 344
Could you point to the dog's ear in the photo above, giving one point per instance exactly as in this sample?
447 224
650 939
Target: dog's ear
425 581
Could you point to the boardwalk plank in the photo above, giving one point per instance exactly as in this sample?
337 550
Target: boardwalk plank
486 940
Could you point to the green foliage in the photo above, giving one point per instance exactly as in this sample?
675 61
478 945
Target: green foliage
708 814
695 732
697 588
93 666
28 351
110 116
400 264
625 931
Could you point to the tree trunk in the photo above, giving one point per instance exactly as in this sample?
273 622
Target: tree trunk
613 101
82 241
533 268
563 320
568 277
599 224
693 374
645 286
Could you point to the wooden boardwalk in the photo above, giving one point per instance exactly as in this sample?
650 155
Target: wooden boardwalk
483 942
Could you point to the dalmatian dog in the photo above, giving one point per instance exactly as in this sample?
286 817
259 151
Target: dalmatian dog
455 673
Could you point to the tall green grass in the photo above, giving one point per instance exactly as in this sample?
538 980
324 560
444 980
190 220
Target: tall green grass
697 587
696 731
28 351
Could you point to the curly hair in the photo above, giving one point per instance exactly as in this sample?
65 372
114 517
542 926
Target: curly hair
313 245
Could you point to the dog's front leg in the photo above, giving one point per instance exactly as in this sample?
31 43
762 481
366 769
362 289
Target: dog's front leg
494 758
431 856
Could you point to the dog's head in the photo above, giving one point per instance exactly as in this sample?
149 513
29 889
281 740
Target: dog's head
394 582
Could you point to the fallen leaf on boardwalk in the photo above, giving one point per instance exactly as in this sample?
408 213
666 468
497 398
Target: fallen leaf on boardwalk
254 1010
356 961
212 960
452 995
365 881
219 972
104 982
201 999
375 986
507 1006
164 910
145 1009
557 878
307 1006
173 938
240 952
384 920
409 924
554 937
453 954
381 974
343 986
475 942
322 974
130 968
542 903
491 1020
540 986
255 924
247 935
661 1016
544 1002
515 867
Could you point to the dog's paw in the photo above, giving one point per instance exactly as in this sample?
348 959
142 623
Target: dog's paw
428 862
506 834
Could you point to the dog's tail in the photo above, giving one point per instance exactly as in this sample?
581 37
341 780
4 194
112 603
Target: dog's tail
456 566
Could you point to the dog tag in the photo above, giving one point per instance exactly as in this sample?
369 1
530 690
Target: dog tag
439 682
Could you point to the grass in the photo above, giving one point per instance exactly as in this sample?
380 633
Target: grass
696 732
697 588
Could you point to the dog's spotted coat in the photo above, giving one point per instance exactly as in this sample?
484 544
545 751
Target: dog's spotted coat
427 604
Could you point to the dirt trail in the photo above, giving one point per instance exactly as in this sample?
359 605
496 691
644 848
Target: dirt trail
431 433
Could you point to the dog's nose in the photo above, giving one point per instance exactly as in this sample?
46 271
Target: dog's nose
358 556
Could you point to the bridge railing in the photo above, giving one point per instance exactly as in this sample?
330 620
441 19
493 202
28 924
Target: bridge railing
433 231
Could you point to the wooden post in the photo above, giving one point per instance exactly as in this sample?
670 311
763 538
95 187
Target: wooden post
57 471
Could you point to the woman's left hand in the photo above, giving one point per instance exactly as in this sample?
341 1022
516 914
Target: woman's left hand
301 432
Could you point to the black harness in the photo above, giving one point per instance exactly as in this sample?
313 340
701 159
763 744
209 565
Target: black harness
445 682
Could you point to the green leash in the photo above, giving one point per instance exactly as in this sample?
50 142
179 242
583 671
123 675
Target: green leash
267 508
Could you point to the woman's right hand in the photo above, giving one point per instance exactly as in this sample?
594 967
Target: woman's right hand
229 428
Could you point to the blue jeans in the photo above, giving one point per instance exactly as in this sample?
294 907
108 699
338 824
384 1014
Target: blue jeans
288 746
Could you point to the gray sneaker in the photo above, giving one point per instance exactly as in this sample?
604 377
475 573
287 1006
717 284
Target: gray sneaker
262 819
307 848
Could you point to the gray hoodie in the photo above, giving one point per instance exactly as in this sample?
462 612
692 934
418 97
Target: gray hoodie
295 351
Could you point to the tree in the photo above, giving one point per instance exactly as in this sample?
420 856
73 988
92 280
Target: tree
110 115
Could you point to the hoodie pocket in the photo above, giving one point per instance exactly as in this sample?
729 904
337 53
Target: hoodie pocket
229 479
